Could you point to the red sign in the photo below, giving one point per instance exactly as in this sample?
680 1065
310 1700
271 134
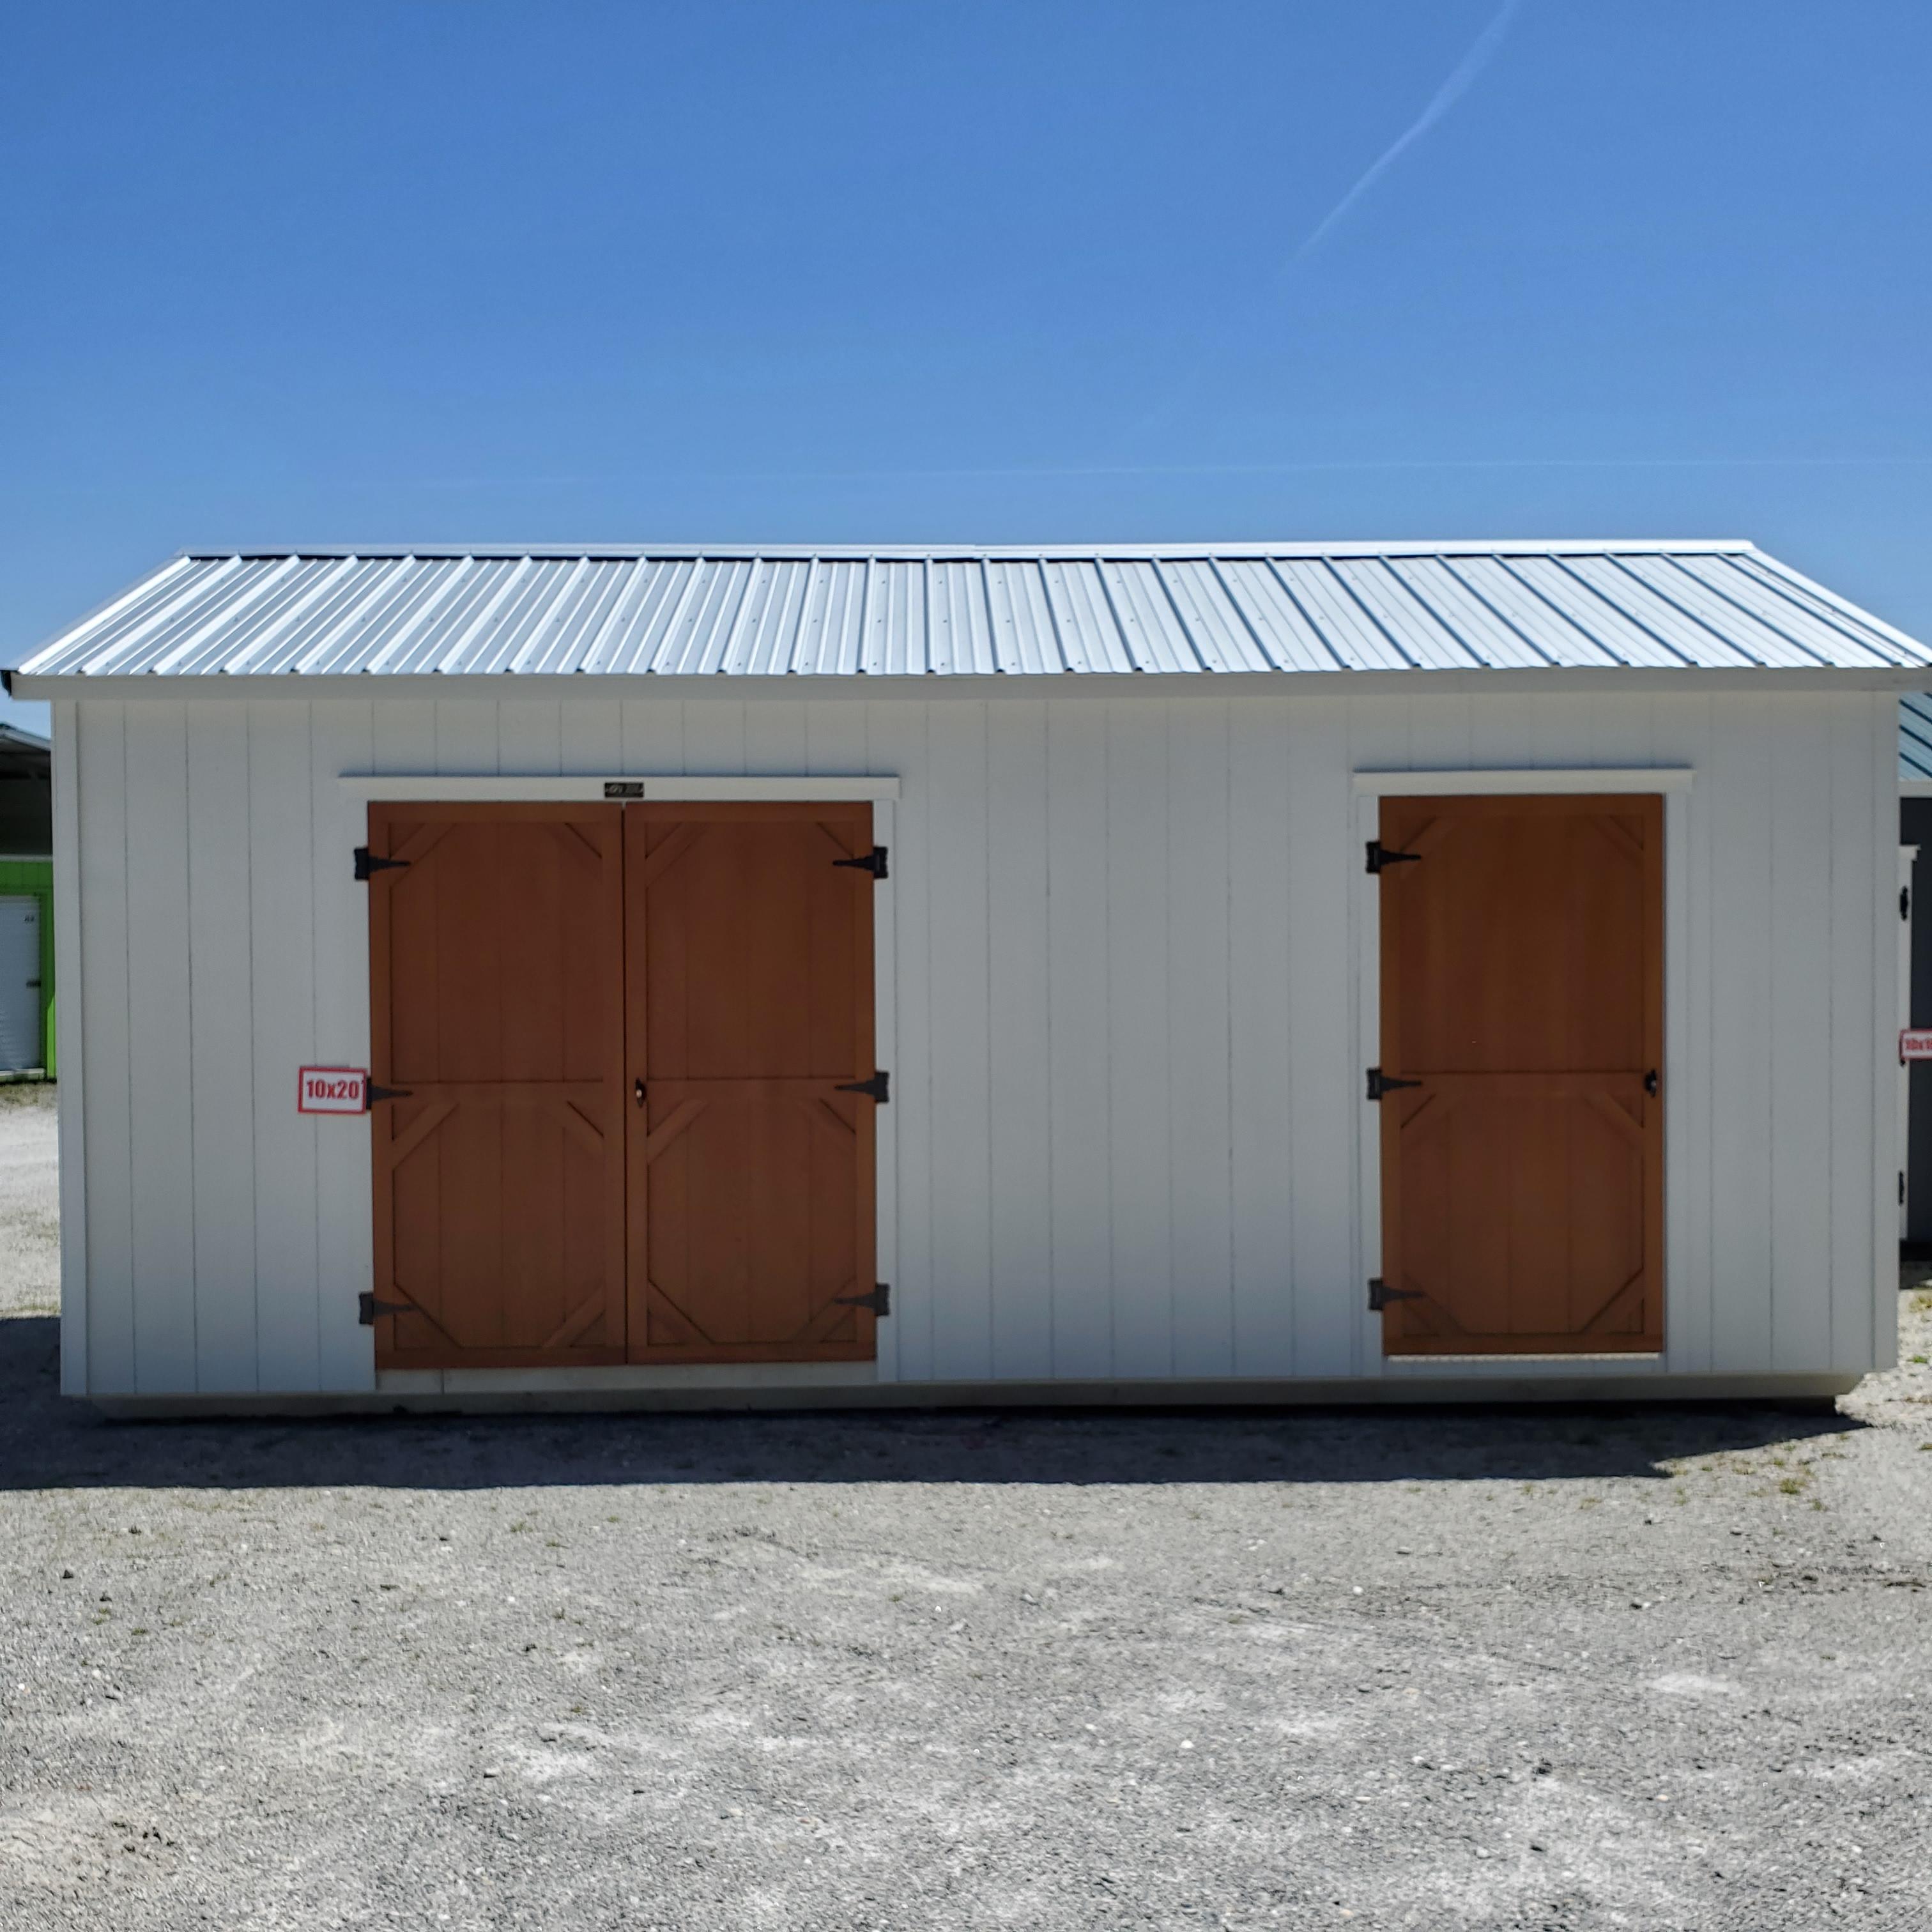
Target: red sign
1915 1043
332 1090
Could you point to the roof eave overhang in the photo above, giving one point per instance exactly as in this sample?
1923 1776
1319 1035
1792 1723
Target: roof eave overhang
365 687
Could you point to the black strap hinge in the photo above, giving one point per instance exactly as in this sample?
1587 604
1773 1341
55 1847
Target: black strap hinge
1380 1294
1379 856
368 1308
1380 1083
368 864
879 1301
878 1088
372 1093
873 862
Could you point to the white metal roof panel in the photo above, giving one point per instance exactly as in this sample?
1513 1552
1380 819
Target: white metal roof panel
1478 600
1836 619
1162 611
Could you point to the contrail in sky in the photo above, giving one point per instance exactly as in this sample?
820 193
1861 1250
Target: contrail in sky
1451 91
1464 74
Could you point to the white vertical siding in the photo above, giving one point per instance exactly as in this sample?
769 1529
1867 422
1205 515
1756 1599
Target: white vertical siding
160 1074
960 1090
282 838
1261 1059
221 1047
1324 1077
1079 998
1737 798
1200 1070
1801 1070
1127 970
1018 1118
1140 1124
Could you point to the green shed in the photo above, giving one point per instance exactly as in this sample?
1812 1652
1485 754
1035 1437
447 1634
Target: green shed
26 903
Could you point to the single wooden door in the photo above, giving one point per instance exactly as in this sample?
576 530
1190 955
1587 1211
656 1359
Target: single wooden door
496 1008
1522 995
20 1044
749 967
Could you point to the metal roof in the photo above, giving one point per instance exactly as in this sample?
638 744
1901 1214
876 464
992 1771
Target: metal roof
1915 738
1166 610
23 754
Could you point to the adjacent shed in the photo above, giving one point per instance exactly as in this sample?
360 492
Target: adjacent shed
26 904
713 975
1914 907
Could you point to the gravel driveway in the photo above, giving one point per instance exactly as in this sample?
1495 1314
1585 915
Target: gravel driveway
1657 1668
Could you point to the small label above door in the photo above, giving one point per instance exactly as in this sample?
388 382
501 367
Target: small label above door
1915 1043
332 1090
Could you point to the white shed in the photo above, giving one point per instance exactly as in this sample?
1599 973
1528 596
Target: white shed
713 976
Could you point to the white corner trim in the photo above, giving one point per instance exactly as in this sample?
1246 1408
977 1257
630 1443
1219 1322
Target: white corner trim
1520 779
457 788
1915 788
69 1050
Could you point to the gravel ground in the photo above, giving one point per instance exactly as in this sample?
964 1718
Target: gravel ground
1647 1668
29 1216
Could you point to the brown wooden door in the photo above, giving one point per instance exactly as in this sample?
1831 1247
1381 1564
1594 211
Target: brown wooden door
1522 990
496 1001
749 972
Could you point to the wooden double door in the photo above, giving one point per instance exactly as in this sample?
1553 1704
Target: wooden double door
624 1105
1521 1074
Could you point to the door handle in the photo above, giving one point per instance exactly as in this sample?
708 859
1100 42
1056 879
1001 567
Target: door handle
1650 1083
637 1091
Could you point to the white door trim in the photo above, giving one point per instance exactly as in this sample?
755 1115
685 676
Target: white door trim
1566 779
463 788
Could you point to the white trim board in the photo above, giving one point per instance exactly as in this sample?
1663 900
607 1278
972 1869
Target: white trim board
1518 780
885 1364
453 788
70 1050
930 687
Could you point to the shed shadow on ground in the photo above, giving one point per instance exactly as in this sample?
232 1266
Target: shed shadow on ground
47 1442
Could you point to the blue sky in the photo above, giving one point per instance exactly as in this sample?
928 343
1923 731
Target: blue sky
851 270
